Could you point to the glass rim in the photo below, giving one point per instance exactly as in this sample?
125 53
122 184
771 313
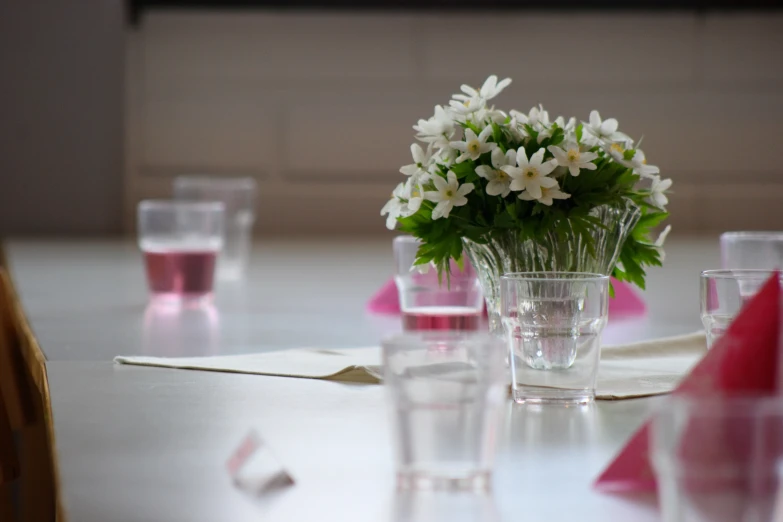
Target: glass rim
752 234
585 277
406 238
738 273
177 204
230 182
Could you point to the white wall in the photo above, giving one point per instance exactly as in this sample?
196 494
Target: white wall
319 107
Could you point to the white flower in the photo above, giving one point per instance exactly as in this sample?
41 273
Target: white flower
604 130
489 90
515 125
547 132
449 194
414 193
548 195
537 118
467 107
438 129
531 175
571 156
474 146
659 242
638 163
569 126
418 170
499 181
657 189
395 207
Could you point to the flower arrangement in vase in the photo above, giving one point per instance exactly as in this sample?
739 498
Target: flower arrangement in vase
521 192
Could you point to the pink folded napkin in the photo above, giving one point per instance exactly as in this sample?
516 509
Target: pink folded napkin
744 360
626 301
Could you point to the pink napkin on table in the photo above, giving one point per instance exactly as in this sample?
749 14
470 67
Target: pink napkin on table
626 301
744 360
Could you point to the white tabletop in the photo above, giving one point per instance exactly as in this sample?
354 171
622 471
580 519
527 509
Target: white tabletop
87 300
149 444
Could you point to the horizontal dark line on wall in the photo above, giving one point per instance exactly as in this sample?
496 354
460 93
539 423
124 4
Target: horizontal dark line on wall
136 8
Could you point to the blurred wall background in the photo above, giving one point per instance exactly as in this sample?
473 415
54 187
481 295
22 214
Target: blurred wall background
61 125
318 106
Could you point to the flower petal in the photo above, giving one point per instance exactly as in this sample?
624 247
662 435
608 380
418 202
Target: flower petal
534 187
439 183
538 157
525 196
486 133
409 170
560 155
547 182
486 172
595 119
547 167
521 158
451 177
467 188
497 158
609 127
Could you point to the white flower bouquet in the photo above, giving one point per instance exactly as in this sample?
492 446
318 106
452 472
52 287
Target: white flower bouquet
480 170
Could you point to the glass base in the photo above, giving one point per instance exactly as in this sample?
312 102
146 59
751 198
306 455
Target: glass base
542 395
181 300
478 481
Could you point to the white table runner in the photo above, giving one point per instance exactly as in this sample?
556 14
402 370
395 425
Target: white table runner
626 371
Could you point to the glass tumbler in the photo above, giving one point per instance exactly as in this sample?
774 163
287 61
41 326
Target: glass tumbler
723 294
752 250
446 392
717 459
239 197
180 241
428 302
553 323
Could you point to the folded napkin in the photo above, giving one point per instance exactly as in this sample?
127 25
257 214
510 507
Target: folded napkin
626 371
626 302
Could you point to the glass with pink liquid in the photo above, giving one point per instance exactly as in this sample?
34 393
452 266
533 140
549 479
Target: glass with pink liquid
180 241
428 302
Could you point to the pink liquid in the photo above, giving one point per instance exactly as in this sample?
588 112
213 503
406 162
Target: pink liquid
180 274
442 318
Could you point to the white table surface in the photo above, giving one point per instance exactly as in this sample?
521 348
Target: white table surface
149 444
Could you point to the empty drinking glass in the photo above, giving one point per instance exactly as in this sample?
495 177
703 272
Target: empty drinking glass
754 250
180 241
717 459
431 302
553 323
446 391
723 294
239 196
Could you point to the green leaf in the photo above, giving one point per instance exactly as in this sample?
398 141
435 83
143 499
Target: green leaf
579 132
461 170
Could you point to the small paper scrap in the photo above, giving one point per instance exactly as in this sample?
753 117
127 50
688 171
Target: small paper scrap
255 469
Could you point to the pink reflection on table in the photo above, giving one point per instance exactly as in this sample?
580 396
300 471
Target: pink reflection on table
181 331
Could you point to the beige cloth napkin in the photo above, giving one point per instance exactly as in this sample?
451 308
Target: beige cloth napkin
626 371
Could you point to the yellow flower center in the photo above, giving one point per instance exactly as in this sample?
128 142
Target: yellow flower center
449 193
474 146
573 155
617 148
531 172
501 176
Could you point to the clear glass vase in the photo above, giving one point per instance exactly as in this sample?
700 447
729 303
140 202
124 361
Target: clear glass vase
502 252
